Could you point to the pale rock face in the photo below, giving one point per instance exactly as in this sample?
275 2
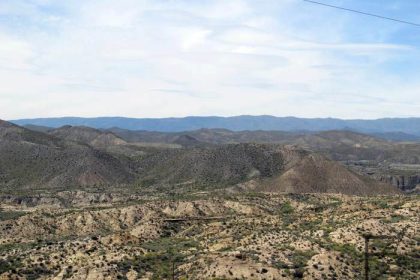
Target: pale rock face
328 263
132 275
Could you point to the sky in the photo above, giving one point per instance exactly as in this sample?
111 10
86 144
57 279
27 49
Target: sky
175 58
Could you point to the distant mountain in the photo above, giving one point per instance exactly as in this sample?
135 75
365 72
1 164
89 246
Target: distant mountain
341 145
237 123
397 136
210 136
37 128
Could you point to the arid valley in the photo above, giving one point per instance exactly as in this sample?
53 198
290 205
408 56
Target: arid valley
208 204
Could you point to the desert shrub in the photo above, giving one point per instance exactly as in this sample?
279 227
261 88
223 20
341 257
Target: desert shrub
320 207
409 262
9 265
396 218
377 268
286 208
311 225
380 203
164 254
347 249
10 215
300 258
280 265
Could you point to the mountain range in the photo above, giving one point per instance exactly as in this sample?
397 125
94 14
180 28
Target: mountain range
337 144
389 127
72 157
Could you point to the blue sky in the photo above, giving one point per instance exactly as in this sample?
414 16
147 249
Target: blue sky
165 58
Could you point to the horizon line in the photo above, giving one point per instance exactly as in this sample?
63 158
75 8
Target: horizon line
213 116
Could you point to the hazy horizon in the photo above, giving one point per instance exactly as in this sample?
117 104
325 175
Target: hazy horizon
209 116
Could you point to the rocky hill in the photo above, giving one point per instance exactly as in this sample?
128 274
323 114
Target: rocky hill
316 174
257 167
69 157
208 136
368 155
91 136
38 128
30 159
337 144
224 164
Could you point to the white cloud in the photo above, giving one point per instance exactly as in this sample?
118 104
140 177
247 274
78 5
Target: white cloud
178 58
15 54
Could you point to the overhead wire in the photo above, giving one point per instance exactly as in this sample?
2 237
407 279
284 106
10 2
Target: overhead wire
363 13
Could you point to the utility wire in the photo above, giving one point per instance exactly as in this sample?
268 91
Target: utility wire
363 13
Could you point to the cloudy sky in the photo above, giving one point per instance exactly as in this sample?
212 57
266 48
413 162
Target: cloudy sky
162 58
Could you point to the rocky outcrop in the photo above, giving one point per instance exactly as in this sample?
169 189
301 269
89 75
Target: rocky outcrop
403 182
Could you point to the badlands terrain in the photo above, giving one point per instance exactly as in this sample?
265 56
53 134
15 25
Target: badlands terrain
78 235
84 203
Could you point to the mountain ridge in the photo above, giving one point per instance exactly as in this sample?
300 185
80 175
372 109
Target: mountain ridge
31 159
236 123
67 157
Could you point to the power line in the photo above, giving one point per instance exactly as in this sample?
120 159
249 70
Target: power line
363 13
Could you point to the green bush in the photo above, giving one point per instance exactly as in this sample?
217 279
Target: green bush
286 208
